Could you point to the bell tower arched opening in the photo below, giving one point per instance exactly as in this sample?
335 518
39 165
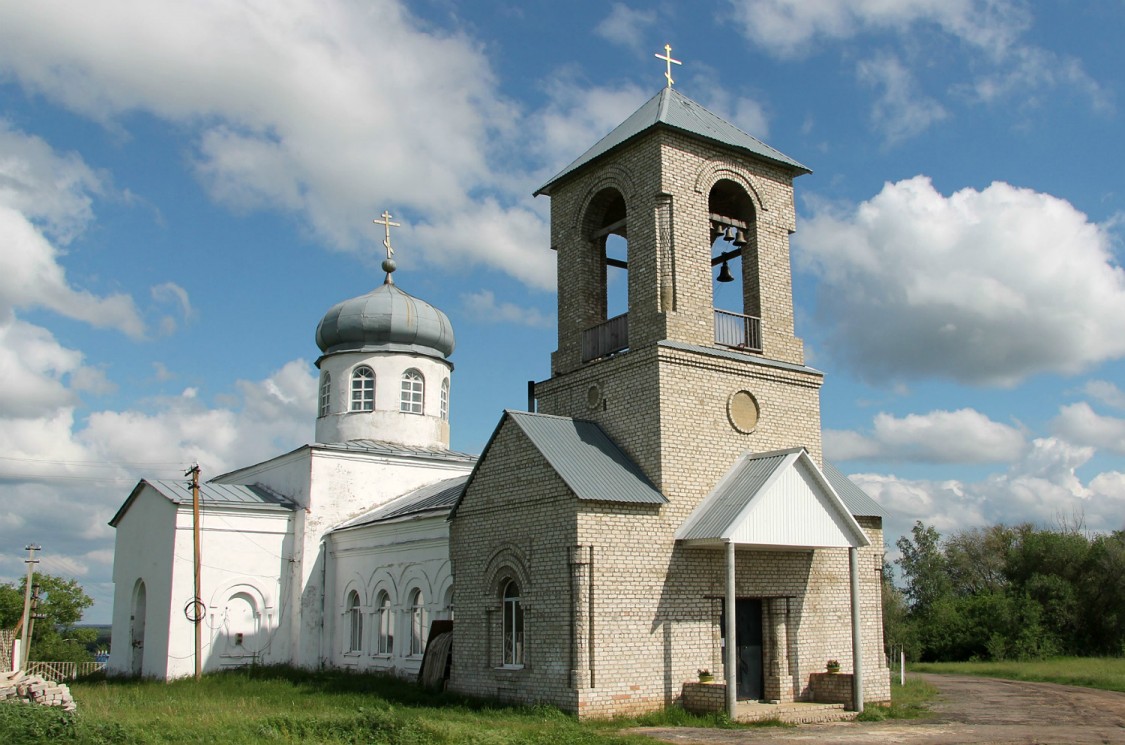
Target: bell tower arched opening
605 226
736 282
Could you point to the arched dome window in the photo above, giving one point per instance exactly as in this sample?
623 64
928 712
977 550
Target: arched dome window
445 400
413 392
325 402
363 389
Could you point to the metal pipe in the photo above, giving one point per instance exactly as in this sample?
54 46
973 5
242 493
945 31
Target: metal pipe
731 660
857 643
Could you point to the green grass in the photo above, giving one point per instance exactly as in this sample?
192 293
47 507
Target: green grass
1107 673
911 701
280 705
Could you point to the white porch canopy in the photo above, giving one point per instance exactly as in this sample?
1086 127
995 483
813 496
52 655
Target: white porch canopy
777 500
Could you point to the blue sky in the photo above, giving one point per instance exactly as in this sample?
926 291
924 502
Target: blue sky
185 189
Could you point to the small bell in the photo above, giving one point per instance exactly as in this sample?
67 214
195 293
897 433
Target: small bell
731 233
724 274
740 239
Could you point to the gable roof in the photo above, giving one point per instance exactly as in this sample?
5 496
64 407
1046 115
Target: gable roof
210 494
425 501
777 499
593 467
858 502
670 108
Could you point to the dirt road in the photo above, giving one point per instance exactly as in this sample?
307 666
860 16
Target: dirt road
969 710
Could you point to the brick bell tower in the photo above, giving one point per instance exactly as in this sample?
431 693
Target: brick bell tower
680 207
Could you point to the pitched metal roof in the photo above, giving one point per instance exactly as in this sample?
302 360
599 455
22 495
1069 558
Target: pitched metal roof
582 454
778 499
432 499
382 447
858 502
670 108
210 494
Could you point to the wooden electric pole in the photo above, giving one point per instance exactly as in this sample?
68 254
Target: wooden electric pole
25 622
196 602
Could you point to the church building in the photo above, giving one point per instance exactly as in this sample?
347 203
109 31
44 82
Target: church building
665 496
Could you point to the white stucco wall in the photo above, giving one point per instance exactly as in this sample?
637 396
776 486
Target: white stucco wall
396 557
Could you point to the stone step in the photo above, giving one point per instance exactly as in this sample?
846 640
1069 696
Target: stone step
794 713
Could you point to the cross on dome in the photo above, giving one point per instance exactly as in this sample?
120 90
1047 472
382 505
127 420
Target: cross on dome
388 263
667 57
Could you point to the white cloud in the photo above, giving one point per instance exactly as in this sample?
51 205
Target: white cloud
1041 488
1106 392
788 28
1081 424
330 109
482 306
626 26
962 436
746 113
981 287
900 111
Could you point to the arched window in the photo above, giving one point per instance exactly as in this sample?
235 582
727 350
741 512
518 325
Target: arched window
447 604
513 625
325 394
413 391
355 623
363 389
386 644
737 296
445 400
417 623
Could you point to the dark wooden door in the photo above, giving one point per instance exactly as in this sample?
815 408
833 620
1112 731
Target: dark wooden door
748 637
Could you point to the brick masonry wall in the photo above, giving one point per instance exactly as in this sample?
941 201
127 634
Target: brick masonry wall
515 520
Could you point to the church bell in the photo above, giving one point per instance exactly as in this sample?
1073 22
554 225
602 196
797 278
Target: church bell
724 274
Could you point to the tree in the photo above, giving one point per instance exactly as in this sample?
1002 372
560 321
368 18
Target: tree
924 568
62 602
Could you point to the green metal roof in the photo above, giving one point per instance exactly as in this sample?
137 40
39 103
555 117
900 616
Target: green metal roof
670 108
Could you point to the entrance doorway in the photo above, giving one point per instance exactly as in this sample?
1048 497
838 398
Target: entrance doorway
748 637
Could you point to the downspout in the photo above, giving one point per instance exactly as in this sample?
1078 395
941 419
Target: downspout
857 644
731 664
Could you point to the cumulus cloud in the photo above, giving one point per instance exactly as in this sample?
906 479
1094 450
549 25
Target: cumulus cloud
626 26
981 287
1106 392
1081 424
314 108
962 436
482 306
1043 487
900 112
788 28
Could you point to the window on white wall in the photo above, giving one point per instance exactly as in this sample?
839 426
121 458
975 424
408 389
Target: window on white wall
363 389
325 394
513 625
413 391
445 400
386 643
355 623
447 604
417 623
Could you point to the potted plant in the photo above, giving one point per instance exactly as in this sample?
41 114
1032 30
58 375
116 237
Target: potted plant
705 676
833 666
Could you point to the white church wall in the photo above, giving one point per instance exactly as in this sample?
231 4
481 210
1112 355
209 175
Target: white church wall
396 558
244 554
386 421
142 558
286 474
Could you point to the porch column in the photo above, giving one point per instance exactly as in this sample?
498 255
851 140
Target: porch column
857 643
731 663
779 683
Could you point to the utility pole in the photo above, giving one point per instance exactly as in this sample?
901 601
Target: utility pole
197 603
25 641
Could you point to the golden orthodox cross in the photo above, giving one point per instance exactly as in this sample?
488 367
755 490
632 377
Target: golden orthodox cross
668 62
386 223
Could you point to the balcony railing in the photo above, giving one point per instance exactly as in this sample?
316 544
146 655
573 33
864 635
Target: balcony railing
738 331
606 338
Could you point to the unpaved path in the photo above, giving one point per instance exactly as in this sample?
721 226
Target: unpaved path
968 710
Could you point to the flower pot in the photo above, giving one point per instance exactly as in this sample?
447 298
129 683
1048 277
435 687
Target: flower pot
706 678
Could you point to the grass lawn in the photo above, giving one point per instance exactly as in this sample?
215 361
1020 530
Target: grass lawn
282 705
1107 673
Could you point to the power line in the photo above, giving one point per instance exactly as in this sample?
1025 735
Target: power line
99 463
